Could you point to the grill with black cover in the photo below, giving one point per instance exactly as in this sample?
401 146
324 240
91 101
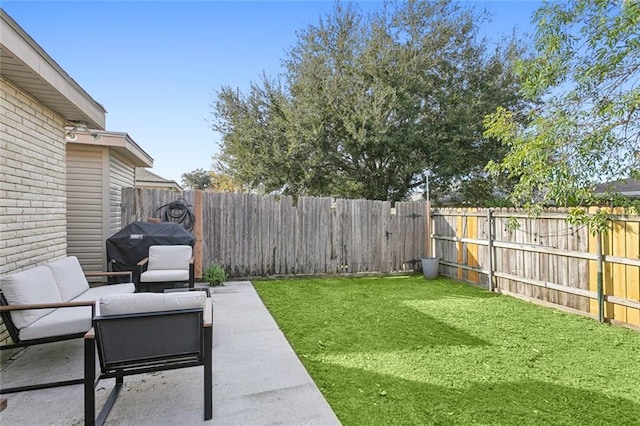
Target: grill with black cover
131 244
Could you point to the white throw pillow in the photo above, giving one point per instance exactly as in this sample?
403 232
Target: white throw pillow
118 304
35 285
69 277
169 257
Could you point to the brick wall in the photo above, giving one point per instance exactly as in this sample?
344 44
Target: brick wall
33 226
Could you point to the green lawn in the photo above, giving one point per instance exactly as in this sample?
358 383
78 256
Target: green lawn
403 350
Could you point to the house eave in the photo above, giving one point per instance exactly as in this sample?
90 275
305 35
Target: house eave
120 142
27 65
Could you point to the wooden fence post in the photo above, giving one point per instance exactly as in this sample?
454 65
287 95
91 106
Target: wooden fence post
599 288
428 241
197 229
490 246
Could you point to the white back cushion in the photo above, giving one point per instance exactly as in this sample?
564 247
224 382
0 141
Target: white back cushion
169 257
35 285
118 304
69 277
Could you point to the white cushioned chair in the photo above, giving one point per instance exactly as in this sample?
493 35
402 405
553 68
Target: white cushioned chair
166 267
144 333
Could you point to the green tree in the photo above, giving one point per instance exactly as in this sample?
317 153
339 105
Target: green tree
255 151
223 183
583 127
368 103
197 179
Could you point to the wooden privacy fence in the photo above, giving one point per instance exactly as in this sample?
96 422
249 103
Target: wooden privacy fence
254 235
544 258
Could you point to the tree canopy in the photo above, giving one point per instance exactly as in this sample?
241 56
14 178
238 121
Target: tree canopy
369 103
207 179
583 126
196 179
223 183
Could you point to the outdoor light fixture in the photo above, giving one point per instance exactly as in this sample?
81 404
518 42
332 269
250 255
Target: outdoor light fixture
72 127
70 134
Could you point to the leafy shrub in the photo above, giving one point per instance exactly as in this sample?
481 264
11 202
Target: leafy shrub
214 275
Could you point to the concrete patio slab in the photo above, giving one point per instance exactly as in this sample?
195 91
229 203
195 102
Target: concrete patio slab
258 379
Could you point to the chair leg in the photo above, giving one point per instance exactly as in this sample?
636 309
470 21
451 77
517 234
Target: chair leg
89 382
208 373
191 275
113 396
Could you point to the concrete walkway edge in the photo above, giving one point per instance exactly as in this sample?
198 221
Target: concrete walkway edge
258 378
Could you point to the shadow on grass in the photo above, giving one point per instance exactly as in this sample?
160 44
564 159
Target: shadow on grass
461 355
384 400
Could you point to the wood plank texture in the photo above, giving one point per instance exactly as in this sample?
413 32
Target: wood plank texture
544 258
255 235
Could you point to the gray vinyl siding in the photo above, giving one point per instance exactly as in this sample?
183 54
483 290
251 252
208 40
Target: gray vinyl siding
85 200
122 175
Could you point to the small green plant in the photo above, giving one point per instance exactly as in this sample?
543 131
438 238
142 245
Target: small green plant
214 275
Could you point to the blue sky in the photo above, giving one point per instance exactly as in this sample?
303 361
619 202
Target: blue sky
156 65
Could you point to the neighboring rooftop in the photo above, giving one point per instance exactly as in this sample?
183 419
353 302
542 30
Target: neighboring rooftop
629 187
147 179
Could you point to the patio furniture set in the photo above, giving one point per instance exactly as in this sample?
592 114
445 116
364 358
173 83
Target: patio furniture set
133 326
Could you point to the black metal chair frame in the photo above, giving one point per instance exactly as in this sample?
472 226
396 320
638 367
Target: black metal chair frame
147 342
5 313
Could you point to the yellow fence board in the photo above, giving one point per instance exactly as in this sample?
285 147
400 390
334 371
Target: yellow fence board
633 272
472 249
535 252
618 272
593 273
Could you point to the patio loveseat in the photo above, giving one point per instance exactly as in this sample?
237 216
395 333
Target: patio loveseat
50 303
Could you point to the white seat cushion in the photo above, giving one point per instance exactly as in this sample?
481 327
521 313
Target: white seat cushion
35 285
69 277
58 323
169 257
119 304
164 275
96 293
73 320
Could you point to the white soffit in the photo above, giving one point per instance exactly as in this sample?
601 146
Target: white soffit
27 65
120 142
